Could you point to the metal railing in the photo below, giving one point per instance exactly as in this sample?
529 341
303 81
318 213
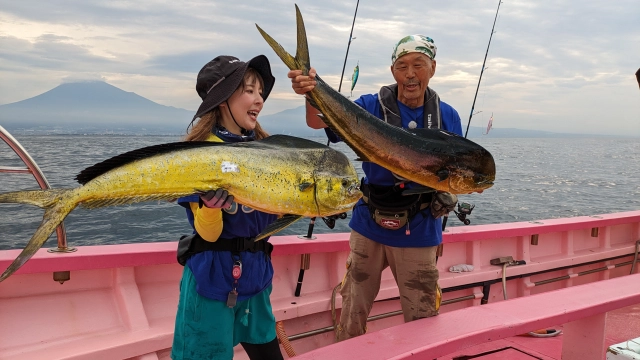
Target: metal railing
33 169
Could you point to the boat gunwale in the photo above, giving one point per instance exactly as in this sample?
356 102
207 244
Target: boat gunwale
157 253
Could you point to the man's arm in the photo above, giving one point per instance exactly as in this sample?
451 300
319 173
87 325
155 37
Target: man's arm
302 84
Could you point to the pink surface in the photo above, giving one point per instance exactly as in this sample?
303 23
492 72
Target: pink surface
107 256
446 333
121 299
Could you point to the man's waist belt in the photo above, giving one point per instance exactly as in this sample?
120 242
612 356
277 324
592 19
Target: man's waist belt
389 208
193 244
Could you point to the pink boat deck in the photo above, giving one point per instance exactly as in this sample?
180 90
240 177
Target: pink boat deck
120 302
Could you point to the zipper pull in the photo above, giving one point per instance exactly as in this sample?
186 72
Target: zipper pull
407 231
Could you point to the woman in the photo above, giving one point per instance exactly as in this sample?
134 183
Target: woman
226 283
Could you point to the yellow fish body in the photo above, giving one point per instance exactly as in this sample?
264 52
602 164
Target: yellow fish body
279 175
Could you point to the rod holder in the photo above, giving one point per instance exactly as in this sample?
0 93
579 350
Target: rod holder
61 276
595 231
305 260
534 239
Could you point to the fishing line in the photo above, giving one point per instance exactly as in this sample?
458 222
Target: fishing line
482 70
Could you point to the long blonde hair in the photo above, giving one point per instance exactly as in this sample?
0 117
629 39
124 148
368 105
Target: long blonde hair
204 126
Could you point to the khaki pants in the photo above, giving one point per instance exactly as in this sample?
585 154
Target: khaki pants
414 270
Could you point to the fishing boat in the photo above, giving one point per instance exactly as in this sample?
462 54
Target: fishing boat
547 289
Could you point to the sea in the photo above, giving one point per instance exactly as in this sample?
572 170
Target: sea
536 179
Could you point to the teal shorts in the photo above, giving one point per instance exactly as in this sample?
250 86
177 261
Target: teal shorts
208 329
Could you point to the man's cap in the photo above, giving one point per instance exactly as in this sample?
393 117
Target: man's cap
414 43
220 77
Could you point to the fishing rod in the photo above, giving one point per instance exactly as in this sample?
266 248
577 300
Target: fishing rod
348 45
330 220
482 70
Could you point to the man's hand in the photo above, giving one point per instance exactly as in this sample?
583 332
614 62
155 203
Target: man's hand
442 204
216 199
302 84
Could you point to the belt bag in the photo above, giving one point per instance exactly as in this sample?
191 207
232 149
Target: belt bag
389 208
390 220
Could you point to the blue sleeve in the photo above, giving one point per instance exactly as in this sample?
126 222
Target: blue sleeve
450 119
184 202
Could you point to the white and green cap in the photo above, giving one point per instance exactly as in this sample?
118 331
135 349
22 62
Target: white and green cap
414 43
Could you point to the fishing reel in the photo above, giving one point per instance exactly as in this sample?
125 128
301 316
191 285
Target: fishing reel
331 220
464 209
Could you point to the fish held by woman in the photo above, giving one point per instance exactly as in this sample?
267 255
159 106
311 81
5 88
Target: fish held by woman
279 174
434 158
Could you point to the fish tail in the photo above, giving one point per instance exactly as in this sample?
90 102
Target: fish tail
40 198
57 204
301 61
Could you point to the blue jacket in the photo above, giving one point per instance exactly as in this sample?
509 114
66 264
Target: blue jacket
212 269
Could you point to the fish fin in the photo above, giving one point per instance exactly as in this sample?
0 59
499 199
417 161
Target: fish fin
278 225
40 198
433 134
278 142
57 204
301 61
442 174
94 204
302 50
305 186
100 168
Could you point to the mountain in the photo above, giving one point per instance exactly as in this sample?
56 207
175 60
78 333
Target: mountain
289 122
90 107
97 107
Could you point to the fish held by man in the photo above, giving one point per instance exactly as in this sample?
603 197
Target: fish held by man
434 158
279 174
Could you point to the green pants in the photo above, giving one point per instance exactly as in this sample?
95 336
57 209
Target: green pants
208 329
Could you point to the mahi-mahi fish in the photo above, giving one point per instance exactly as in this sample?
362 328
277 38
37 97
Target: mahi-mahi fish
280 174
434 158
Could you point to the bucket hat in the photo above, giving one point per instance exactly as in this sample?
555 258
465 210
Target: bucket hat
220 77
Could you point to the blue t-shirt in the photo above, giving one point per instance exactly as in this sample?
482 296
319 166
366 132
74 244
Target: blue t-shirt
212 269
424 229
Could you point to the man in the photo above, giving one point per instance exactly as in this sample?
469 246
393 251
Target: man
410 249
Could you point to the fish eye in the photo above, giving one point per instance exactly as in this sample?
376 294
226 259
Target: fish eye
345 183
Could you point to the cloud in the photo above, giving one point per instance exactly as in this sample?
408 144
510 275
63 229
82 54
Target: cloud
545 58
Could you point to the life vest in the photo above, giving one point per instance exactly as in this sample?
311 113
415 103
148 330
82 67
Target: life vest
388 98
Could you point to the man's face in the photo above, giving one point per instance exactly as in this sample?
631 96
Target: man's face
412 72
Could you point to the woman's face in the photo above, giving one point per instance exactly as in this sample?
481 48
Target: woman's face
244 104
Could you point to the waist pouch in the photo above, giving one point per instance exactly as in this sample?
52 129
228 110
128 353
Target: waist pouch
389 208
189 245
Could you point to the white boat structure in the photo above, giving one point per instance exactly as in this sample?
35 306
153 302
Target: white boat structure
578 275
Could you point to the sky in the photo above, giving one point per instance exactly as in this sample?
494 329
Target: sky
560 66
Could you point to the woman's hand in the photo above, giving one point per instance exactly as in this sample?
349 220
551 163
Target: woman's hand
216 199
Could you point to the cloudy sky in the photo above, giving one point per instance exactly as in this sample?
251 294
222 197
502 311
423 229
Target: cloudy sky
562 66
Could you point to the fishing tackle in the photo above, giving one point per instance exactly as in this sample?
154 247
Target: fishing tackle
464 209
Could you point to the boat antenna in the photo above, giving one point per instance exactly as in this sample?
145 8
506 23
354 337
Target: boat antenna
481 71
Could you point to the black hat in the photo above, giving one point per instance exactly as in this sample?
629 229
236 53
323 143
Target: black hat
220 77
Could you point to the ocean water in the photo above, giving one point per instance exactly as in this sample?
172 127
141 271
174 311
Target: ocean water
537 178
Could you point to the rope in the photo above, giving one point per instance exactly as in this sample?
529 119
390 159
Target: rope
333 309
284 339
